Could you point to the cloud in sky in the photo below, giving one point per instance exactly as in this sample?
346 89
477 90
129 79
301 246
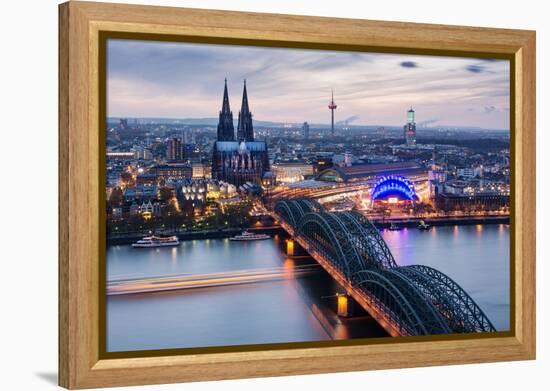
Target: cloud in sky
409 64
179 80
474 68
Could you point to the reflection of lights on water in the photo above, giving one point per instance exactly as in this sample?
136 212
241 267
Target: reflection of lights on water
501 230
341 332
455 231
174 254
288 266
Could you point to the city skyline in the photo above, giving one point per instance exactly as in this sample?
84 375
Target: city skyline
182 80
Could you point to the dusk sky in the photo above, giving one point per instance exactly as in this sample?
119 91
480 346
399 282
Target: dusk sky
181 80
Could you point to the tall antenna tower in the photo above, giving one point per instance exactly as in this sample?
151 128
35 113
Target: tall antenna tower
332 106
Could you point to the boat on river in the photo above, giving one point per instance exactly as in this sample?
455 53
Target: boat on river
157 241
422 226
395 227
249 236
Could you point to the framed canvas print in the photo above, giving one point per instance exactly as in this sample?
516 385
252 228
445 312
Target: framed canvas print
248 195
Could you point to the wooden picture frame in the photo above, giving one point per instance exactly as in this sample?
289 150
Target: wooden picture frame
80 231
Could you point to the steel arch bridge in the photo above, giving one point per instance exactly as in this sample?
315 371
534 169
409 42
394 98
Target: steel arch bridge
405 300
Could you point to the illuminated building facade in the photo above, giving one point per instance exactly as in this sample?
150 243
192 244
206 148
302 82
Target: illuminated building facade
486 201
171 172
206 189
120 155
393 189
201 170
290 172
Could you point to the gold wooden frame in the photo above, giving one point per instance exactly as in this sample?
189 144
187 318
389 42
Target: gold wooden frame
80 27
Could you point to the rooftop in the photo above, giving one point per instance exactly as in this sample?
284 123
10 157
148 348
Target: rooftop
345 174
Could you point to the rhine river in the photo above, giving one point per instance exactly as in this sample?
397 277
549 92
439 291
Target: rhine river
282 299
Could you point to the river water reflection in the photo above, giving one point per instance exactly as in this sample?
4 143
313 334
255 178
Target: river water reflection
299 306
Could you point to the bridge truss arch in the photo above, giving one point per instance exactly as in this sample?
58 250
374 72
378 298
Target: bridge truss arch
292 211
463 314
327 234
419 299
368 241
401 301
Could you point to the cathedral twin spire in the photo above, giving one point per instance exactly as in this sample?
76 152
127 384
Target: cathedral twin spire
245 131
226 130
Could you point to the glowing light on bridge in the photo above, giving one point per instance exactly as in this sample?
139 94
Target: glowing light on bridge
342 305
290 247
393 188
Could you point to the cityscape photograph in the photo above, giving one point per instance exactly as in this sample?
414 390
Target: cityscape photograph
261 195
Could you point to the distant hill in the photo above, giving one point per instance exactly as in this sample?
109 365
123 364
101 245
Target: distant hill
214 122
206 122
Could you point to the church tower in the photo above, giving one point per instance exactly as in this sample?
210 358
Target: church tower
226 130
245 131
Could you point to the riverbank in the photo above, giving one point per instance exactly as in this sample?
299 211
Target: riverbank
194 235
409 222
412 222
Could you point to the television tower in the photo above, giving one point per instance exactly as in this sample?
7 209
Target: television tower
332 106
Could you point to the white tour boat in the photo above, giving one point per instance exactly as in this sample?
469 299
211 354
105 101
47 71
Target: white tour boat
248 236
157 241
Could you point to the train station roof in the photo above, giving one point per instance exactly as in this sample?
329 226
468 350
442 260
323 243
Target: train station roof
364 171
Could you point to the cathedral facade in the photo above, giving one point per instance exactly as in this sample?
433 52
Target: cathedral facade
240 159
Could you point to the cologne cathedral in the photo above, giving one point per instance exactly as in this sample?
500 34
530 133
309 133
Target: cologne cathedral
238 160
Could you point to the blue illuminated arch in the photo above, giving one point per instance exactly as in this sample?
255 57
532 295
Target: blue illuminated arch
393 186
